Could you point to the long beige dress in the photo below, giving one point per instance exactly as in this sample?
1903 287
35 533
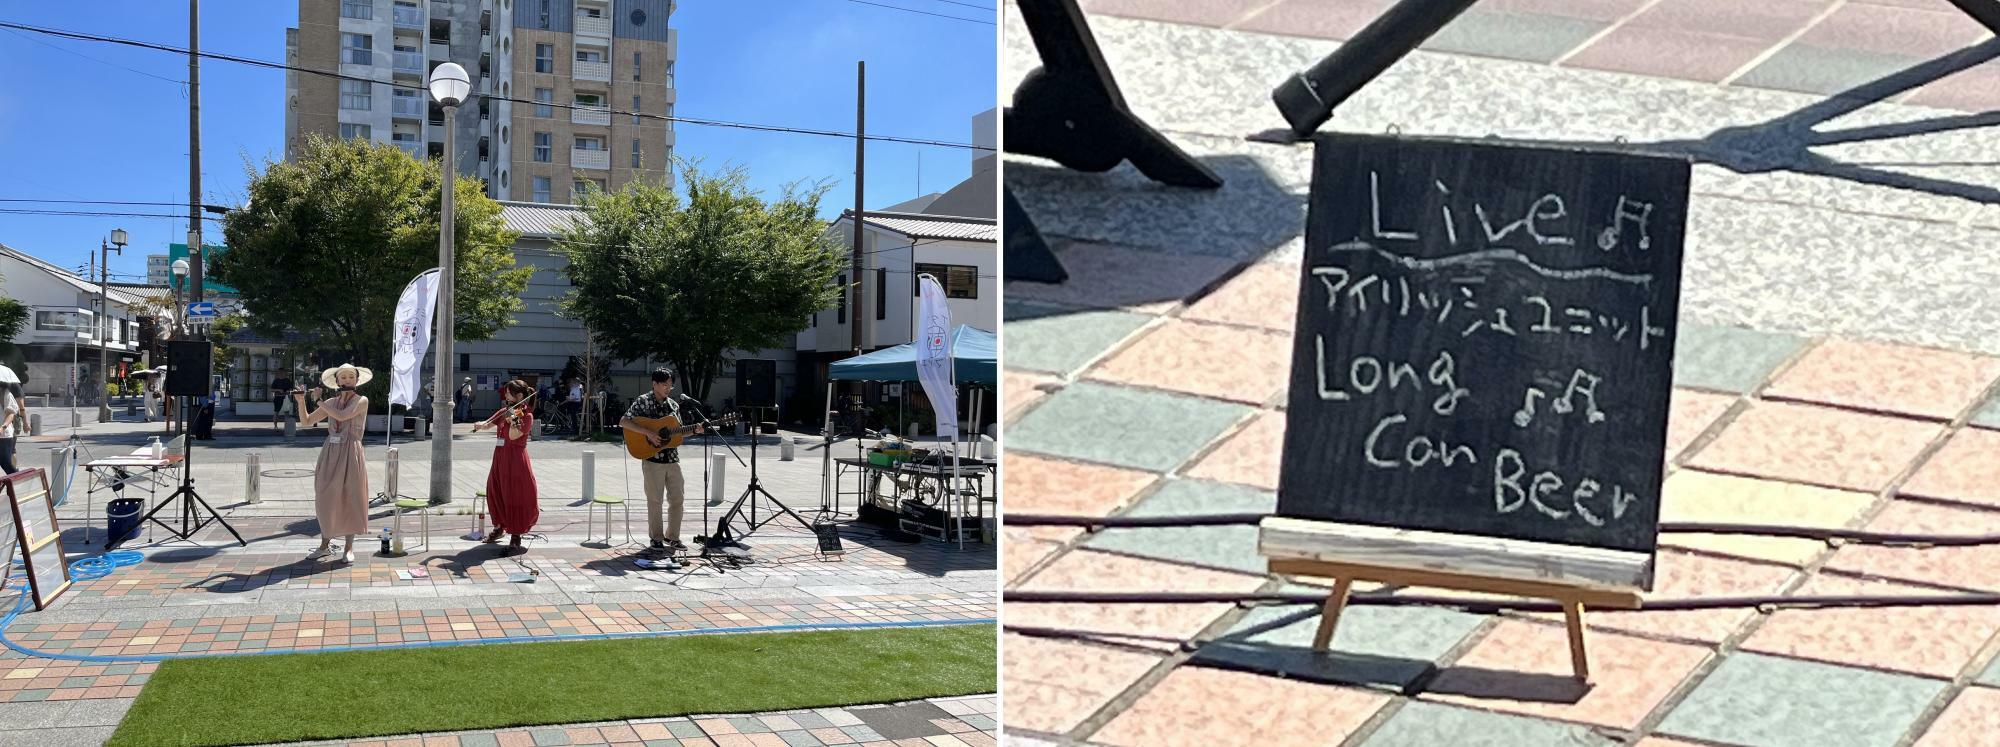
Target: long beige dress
340 482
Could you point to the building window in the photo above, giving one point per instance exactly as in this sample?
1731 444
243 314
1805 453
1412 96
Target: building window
544 147
589 55
670 73
61 321
543 98
545 54
592 100
959 281
357 9
589 142
881 293
840 312
354 94
636 66
357 49
541 185
542 14
578 188
355 131
635 153
636 108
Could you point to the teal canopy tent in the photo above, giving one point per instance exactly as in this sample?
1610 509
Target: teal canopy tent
974 351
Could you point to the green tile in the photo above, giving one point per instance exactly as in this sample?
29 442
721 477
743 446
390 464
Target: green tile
477 740
1992 674
1232 547
1729 359
1809 69
1767 700
1374 645
1127 427
1515 36
1423 724
1988 415
1061 343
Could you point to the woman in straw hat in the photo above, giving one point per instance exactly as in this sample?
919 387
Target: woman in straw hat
340 481
13 419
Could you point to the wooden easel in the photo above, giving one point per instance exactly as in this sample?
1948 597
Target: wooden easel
1574 577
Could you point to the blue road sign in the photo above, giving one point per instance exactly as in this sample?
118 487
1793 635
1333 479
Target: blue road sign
201 308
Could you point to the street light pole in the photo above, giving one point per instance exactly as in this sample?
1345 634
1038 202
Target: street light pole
449 85
104 317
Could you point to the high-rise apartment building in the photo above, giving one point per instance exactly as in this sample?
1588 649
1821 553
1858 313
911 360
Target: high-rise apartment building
584 58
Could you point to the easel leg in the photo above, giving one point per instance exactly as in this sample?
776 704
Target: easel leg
1578 659
1330 616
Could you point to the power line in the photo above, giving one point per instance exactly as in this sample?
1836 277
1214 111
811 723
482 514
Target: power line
94 214
968 5
926 12
607 110
98 61
92 202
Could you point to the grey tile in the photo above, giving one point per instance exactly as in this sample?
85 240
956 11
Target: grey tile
1253 214
1374 645
1423 724
1233 547
1123 426
1729 359
550 737
749 725
1061 343
1767 700
36 715
810 720
1809 69
799 739
861 733
684 730
478 740
1533 37
82 736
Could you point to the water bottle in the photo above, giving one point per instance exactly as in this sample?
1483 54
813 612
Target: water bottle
158 448
385 540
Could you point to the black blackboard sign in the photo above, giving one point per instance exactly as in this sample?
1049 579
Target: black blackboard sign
1485 340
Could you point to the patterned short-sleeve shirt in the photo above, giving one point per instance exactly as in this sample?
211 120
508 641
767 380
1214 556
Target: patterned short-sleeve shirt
648 406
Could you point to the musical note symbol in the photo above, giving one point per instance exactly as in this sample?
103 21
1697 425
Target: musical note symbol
1526 414
1627 210
1583 382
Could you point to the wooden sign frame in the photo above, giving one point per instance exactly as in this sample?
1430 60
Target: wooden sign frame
31 544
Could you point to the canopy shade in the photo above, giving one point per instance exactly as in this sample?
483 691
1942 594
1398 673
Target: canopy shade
974 351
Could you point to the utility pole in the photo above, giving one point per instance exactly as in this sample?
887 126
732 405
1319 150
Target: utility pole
194 151
860 154
104 319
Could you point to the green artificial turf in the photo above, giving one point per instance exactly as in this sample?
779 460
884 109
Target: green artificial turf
345 695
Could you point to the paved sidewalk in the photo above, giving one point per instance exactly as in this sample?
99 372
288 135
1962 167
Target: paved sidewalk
1836 368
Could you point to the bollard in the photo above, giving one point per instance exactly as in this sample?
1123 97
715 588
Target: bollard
986 446
34 424
250 492
423 428
291 429
393 470
787 449
718 468
59 475
589 474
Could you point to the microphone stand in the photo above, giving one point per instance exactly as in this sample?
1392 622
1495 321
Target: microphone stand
707 448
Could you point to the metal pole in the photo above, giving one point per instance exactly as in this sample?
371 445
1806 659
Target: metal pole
1307 99
103 337
441 391
860 214
194 149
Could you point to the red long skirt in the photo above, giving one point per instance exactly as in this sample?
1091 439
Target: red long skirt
510 486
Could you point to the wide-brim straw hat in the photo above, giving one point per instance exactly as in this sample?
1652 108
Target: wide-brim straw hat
7 376
362 375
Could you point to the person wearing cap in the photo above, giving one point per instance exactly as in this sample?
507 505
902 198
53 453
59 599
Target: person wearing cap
340 479
462 409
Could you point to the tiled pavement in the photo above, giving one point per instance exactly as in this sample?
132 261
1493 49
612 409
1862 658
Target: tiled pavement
1807 46
1145 387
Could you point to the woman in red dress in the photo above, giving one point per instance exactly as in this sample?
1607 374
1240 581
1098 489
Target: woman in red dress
510 485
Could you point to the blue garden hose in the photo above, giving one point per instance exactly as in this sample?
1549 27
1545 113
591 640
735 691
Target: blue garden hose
99 566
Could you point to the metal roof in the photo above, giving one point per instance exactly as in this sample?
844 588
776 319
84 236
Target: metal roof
537 219
115 295
921 226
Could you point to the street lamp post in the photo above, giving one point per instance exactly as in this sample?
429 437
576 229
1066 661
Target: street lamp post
449 85
177 312
104 317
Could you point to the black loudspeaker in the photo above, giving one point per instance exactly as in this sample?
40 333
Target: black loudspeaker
756 383
188 367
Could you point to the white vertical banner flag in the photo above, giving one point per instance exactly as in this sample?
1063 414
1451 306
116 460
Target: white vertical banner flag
934 369
413 338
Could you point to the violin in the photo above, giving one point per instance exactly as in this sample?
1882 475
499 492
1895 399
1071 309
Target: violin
513 413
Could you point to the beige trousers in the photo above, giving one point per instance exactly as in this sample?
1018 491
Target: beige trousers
663 480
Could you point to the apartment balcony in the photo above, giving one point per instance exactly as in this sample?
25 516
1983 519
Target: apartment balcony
597 71
412 147
590 116
407 107
589 159
409 18
409 63
596 27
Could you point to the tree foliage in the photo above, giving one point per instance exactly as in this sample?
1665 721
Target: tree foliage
685 281
13 318
327 243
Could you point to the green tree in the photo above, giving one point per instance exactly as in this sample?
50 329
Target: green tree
13 319
328 241
684 282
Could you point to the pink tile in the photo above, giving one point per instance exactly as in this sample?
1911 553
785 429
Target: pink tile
1684 575
1251 456
1669 53
1193 12
1054 685
1817 446
1524 667
1319 19
1106 276
1929 641
1890 30
1975 90
1972 720
1690 413
1965 470
1589 10
1198 706
1019 390
1768 20
1209 360
1024 548
1879 377
1085 570
1975 567
1266 295
1666 742
1036 485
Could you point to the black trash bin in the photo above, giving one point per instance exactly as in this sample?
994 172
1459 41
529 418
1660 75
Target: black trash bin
121 520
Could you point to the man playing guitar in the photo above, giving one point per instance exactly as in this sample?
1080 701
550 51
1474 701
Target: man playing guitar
663 471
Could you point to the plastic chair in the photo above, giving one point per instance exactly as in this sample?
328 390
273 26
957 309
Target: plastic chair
422 508
589 522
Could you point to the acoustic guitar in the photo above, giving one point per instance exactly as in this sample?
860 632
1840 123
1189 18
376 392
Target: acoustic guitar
670 431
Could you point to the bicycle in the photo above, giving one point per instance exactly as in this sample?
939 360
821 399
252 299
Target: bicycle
555 420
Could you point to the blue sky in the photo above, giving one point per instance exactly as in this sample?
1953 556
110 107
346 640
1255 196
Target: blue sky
105 129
